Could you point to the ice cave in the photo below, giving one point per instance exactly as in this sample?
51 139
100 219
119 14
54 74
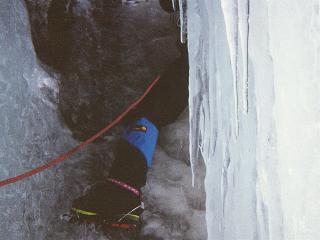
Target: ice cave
239 163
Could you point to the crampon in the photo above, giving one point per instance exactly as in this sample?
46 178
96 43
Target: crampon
127 221
110 205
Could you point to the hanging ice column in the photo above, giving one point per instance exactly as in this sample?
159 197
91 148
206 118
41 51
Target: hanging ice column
254 115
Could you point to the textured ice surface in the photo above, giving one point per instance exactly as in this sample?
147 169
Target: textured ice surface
33 130
175 209
30 132
254 114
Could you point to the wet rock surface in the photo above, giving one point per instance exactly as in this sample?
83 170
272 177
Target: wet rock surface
106 52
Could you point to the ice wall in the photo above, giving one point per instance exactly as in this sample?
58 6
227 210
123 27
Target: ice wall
254 115
30 134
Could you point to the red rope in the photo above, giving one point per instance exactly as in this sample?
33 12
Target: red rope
77 148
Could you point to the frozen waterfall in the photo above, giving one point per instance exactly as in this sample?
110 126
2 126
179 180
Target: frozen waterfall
254 119
254 115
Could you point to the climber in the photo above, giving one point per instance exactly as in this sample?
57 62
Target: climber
117 201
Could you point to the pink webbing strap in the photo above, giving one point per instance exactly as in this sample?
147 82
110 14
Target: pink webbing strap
126 186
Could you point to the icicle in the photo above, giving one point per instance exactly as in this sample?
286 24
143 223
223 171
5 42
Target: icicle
174 5
183 20
183 39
